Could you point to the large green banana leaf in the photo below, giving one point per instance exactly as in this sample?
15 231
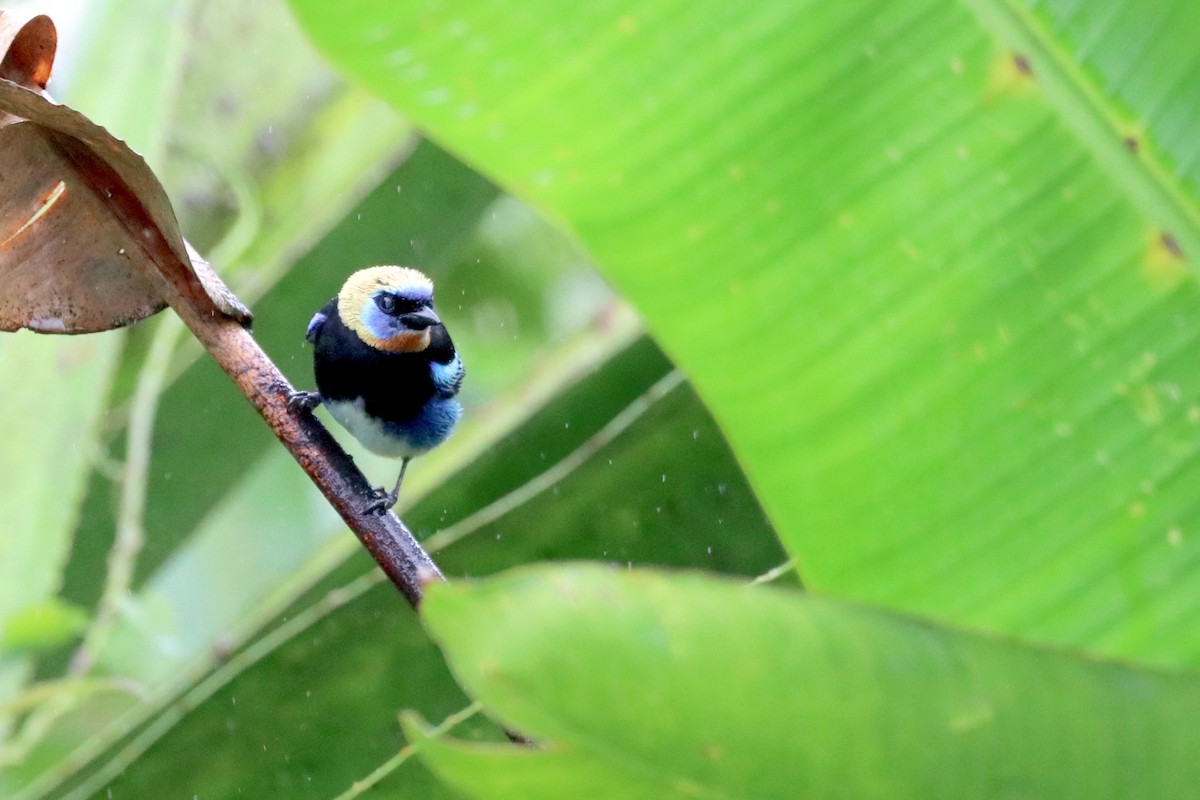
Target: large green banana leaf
925 261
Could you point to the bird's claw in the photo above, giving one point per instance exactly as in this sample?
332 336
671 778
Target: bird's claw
383 501
300 402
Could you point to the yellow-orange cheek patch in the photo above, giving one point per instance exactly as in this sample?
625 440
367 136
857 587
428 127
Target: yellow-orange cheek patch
413 342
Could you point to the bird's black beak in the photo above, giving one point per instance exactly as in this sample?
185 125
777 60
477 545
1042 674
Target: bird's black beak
420 320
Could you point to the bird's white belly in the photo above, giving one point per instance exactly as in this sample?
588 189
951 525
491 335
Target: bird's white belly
369 430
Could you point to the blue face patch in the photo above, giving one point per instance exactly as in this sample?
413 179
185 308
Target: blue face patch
380 324
382 316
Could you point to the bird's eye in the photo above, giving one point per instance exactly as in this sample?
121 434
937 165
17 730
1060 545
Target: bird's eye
386 303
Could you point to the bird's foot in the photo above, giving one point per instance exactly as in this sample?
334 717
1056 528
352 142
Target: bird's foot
300 402
383 501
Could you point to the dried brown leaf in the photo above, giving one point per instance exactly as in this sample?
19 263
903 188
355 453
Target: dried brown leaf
27 49
88 238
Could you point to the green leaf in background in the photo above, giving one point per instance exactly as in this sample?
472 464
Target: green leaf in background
951 339
614 671
51 623
46 454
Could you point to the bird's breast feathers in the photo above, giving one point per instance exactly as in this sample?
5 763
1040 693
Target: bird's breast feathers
424 432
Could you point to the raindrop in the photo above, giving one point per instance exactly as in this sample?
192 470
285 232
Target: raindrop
436 97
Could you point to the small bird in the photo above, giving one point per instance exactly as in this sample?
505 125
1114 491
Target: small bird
385 367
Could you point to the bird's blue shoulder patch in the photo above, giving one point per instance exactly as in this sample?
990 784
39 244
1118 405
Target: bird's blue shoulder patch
447 378
314 327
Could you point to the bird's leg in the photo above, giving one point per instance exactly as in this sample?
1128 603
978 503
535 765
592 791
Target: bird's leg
386 501
299 402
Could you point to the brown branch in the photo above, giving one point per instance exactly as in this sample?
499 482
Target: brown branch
386 538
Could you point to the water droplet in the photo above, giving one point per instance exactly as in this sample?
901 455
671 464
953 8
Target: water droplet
435 97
